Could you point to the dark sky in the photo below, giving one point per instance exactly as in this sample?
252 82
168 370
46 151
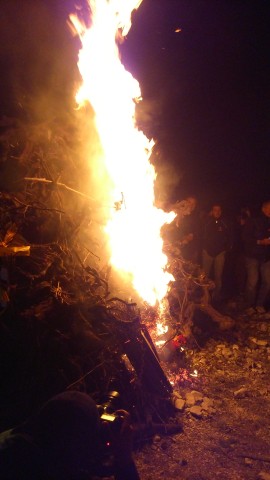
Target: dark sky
213 81
206 88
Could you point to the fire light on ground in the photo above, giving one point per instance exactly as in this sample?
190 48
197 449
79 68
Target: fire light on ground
134 223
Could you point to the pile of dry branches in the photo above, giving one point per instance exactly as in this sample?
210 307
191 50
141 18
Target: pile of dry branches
61 328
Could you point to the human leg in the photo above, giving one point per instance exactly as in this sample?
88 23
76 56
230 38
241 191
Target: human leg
207 262
265 284
240 274
218 272
252 268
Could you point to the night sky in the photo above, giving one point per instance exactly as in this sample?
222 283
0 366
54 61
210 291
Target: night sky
206 88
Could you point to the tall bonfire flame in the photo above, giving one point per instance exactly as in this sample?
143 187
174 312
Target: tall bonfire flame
134 226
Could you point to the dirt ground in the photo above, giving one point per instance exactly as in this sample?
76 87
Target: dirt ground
225 412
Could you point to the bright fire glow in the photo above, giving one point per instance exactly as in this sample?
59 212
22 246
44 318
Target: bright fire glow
162 329
133 227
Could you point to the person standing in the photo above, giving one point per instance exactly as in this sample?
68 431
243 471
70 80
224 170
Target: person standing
238 259
216 241
256 237
189 232
184 232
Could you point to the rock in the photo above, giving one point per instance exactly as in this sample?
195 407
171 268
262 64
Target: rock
207 404
179 404
182 462
193 398
190 400
164 445
241 393
177 401
264 476
263 327
262 343
227 352
196 411
176 394
253 342
256 342
225 443
197 395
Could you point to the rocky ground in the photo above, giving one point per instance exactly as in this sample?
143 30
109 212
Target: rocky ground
225 412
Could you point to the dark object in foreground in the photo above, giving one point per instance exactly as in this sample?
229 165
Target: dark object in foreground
144 358
64 441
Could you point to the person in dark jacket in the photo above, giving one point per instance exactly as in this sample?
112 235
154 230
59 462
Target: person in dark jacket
63 441
216 241
256 237
238 255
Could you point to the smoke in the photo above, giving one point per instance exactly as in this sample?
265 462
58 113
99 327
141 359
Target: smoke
167 183
149 113
38 82
38 58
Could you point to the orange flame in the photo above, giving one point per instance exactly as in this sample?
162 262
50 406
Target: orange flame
134 226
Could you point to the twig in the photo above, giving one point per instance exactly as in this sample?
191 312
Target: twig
84 376
58 184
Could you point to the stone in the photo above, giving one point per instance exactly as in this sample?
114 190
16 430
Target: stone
193 398
241 393
164 445
253 342
196 411
183 462
264 476
177 401
207 403
263 327
179 404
